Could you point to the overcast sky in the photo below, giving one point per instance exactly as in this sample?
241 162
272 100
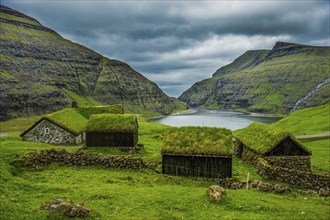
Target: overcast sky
177 43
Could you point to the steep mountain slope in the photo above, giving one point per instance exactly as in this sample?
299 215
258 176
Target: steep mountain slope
41 72
288 77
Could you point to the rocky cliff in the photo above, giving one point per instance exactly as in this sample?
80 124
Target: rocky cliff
288 77
41 72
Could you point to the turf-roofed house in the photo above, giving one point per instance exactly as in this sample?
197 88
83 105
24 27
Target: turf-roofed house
66 126
112 130
277 147
62 127
197 152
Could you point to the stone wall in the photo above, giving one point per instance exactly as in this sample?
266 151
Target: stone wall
250 156
44 157
295 177
291 162
56 135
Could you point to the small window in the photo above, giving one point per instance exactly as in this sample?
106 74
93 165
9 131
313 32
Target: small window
46 130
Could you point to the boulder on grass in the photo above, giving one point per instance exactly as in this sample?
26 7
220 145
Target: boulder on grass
324 192
216 192
65 208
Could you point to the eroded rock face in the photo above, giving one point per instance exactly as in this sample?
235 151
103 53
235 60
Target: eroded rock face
42 72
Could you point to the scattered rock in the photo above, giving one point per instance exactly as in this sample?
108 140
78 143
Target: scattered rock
324 193
308 192
216 192
281 189
265 187
254 184
66 208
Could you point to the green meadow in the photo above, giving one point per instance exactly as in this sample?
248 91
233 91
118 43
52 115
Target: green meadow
142 194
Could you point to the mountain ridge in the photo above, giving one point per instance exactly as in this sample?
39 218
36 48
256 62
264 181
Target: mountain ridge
267 81
42 72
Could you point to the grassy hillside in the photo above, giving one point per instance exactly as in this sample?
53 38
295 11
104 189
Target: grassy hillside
271 83
141 194
314 120
248 60
41 72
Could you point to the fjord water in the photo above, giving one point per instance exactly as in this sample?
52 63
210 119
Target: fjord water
214 118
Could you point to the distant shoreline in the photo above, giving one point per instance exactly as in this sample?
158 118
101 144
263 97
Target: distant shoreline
198 110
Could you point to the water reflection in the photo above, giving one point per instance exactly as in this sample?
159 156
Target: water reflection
214 118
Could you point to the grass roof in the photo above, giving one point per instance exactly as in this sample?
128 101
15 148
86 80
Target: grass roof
198 141
111 122
70 119
262 138
92 110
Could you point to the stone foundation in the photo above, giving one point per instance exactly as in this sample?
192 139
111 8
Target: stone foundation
295 177
290 162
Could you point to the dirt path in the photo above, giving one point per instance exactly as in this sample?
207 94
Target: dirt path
312 136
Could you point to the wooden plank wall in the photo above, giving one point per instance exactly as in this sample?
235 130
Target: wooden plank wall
197 166
287 148
111 139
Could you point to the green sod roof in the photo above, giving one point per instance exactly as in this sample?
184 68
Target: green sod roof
70 119
198 141
110 109
261 138
111 122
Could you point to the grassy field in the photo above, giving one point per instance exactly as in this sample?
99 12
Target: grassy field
142 194
314 120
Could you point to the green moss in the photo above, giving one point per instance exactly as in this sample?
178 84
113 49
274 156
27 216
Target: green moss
111 122
70 119
260 137
92 110
198 141
16 18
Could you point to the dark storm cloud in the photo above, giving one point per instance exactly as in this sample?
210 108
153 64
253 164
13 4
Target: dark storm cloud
176 43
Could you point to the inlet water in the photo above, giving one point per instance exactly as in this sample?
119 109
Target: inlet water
214 118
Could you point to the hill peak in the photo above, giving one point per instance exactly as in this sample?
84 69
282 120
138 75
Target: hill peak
285 45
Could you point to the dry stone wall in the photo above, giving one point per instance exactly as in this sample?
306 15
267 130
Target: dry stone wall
250 156
44 157
55 134
291 162
295 177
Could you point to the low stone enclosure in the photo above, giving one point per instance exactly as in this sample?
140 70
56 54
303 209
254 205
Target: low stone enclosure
295 177
197 152
80 158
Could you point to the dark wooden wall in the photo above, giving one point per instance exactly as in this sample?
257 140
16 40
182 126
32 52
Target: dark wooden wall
112 139
197 166
287 148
